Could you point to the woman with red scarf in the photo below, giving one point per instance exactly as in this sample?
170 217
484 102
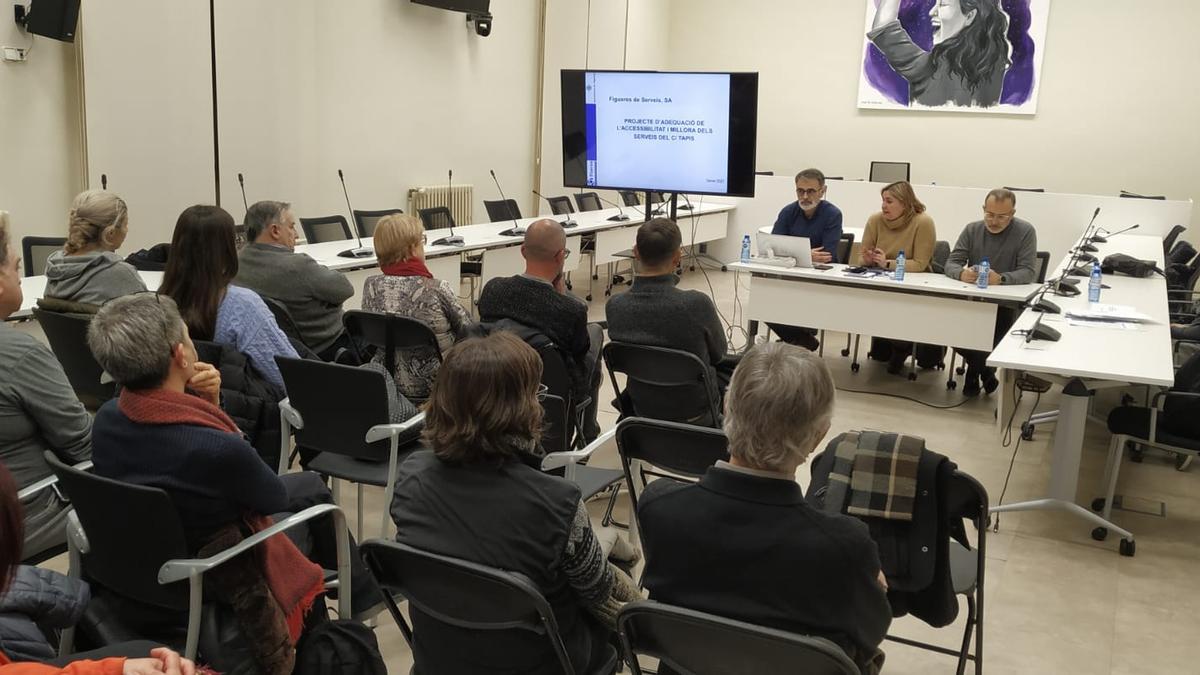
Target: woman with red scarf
406 288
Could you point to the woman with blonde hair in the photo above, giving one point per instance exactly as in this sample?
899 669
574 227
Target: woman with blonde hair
88 269
407 288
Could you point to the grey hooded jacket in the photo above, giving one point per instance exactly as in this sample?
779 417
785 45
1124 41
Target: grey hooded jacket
91 278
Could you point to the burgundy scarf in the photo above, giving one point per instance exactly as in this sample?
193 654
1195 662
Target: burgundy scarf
407 268
294 580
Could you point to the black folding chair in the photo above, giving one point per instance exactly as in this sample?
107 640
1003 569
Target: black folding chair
67 334
696 643
588 201
560 206
436 218
466 595
111 519
502 209
662 384
367 220
965 498
325 228
283 318
1169 240
35 250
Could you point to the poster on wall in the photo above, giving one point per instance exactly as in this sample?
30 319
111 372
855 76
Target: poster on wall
973 56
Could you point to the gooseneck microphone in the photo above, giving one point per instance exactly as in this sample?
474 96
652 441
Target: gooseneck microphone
242 184
452 240
568 223
358 251
620 217
103 181
1104 239
516 230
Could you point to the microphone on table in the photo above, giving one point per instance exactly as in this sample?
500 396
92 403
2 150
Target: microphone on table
620 217
1104 239
516 230
1040 332
242 184
452 239
568 223
103 181
358 251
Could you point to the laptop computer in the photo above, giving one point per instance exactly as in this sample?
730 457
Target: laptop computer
784 246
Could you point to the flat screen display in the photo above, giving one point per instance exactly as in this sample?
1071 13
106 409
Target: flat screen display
669 132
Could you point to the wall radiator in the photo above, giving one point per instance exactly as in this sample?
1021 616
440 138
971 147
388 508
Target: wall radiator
460 199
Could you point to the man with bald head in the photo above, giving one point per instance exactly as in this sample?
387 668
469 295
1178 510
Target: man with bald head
538 299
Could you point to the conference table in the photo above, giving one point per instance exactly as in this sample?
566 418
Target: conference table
1091 357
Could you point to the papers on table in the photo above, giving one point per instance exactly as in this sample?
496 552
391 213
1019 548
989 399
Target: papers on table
1096 311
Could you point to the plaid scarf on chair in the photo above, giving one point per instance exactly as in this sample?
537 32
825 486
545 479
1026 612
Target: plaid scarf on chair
874 474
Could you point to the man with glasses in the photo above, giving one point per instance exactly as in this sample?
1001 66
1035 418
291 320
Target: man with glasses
538 299
813 217
1010 245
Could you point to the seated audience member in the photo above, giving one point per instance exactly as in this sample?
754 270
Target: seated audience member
312 293
111 660
38 412
479 495
743 542
654 312
821 222
1010 246
408 289
539 299
203 262
165 430
900 225
88 271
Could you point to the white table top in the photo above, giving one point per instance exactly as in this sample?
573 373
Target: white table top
487 235
1141 356
921 282
33 288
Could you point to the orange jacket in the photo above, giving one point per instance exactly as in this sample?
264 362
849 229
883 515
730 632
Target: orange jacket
113 666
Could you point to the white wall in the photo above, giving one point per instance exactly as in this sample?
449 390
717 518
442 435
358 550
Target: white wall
41 166
1116 108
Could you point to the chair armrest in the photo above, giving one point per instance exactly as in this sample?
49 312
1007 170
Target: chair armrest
1154 403
77 537
290 414
33 489
382 431
571 457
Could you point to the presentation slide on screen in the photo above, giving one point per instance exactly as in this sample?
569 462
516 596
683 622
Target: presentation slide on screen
667 131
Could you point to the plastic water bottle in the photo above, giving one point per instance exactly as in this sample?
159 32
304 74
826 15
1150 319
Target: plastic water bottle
899 273
746 248
985 268
1094 283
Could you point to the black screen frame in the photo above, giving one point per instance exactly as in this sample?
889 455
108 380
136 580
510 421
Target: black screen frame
743 132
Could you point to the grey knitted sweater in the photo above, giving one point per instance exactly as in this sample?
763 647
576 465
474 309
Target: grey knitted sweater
312 293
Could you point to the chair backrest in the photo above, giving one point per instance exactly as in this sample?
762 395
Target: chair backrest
1169 240
560 206
663 384
889 172
1181 253
282 317
1133 195
588 201
695 642
367 220
339 405
845 245
389 332
462 593
502 209
630 197
680 449
436 218
558 425
1043 258
764 173
131 531
67 335
35 250
325 228
1020 189
941 253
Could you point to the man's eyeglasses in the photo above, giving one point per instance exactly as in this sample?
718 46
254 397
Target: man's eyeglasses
542 391
808 192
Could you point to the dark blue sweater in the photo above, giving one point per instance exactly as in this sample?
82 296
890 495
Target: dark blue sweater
824 229
212 476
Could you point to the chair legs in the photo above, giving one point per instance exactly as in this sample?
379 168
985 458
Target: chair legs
964 652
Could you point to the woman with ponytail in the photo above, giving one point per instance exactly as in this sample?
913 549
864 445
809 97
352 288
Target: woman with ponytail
88 269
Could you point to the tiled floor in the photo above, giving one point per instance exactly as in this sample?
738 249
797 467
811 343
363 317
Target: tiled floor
1056 601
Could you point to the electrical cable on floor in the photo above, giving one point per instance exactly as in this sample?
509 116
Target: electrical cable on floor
730 326
1017 394
927 404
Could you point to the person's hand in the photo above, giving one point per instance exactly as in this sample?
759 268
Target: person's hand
161 661
994 279
874 257
969 275
206 383
882 580
560 283
820 255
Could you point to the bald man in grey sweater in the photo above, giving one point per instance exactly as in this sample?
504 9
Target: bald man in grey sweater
1010 245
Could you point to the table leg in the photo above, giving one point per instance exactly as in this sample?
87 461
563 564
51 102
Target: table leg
1064 463
752 334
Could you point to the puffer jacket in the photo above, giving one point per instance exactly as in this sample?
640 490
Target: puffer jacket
247 397
36 597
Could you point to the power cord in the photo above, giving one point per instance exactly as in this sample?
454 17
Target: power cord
1020 386
907 398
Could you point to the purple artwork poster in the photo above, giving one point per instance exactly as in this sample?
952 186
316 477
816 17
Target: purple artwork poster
982 56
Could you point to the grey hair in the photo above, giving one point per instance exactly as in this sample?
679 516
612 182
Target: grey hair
133 336
778 406
1002 195
812 174
262 215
